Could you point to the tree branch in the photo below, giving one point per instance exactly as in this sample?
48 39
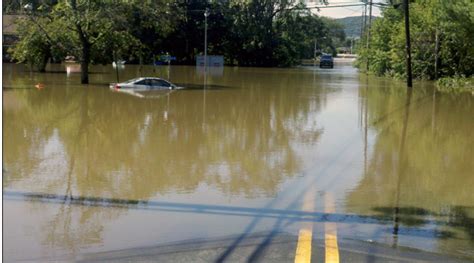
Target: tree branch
46 34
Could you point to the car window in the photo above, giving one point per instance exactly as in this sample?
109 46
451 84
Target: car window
326 57
159 83
154 83
163 83
143 82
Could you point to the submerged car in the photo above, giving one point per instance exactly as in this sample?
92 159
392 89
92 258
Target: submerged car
326 61
143 84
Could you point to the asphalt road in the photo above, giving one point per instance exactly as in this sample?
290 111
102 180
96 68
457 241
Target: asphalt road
265 247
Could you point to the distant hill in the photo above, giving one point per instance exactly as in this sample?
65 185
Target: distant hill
352 25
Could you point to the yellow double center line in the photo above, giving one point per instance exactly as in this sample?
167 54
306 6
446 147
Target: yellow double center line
330 236
305 236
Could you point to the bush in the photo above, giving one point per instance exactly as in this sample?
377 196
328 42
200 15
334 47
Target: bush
458 84
446 23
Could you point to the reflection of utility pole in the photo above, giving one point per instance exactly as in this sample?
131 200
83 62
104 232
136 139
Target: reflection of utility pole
402 164
204 106
206 14
169 69
368 35
365 124
165 114
433 112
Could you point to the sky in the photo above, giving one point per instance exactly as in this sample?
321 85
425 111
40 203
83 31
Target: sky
339 12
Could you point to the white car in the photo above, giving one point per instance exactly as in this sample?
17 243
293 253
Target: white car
143 84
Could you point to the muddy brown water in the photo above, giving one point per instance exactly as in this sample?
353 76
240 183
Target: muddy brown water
87 169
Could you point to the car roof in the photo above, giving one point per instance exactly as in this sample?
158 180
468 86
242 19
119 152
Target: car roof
151 78
142 78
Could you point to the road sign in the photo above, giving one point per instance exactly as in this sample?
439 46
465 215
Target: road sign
167 58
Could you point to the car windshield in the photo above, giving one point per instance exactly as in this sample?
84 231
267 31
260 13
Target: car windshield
326 57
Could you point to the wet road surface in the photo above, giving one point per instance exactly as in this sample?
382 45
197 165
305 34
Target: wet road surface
244 164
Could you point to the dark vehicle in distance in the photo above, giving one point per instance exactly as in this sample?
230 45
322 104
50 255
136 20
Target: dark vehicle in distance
143 84
326 61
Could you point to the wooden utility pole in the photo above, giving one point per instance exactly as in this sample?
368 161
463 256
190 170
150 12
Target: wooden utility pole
436 54
368 35
315 48
362 26
206 14
408 44
116 66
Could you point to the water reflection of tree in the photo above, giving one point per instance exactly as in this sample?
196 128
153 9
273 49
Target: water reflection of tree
243 147
52 116
426 177
122 147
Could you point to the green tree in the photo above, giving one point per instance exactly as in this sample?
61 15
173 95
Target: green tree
89 30
440 31
247 33
335 35
90 22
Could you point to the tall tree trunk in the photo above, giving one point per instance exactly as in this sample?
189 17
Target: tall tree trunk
86 47
44 61
86 57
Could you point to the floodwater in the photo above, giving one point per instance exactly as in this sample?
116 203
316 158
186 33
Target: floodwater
236 152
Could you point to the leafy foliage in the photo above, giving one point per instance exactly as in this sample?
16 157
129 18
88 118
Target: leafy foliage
452 23
456 85
246 33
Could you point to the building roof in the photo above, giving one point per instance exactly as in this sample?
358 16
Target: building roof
8 24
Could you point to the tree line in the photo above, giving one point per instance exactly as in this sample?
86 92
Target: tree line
247 33
441 37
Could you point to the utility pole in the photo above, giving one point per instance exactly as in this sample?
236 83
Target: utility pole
408 43
352 43
368 36
365 16
116 66
315 48
206 14
362 24
436 54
